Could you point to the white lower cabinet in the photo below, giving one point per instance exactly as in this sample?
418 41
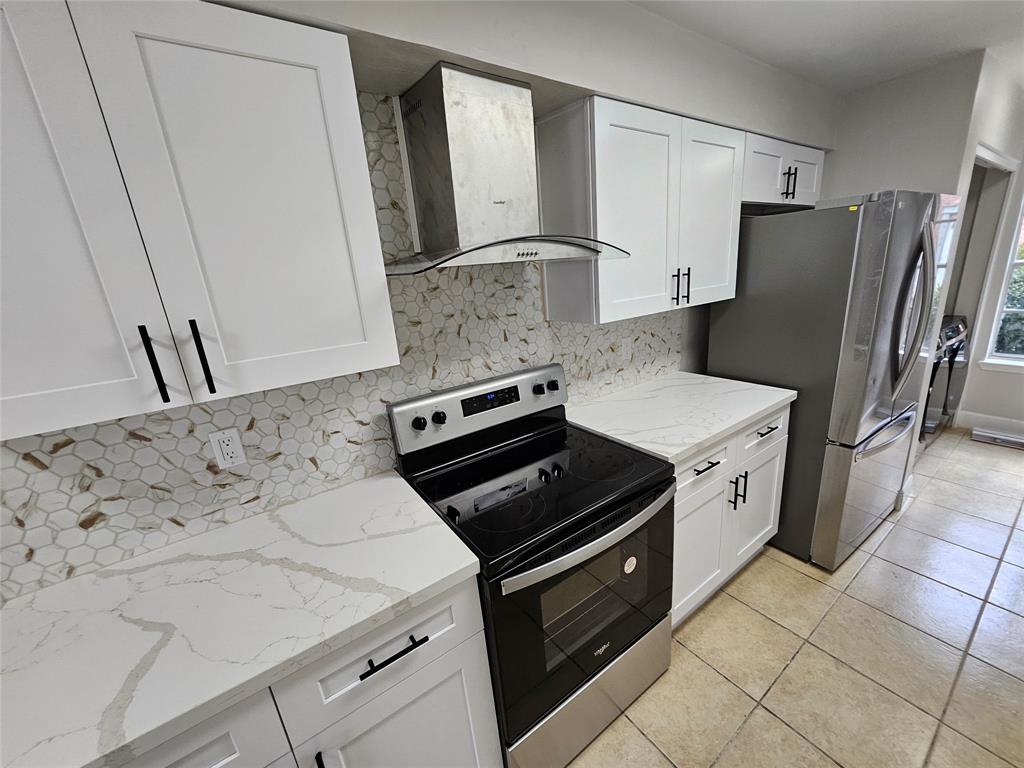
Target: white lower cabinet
726 513
246 735
441 716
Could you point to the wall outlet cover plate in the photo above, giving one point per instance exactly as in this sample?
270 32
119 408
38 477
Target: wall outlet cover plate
227 448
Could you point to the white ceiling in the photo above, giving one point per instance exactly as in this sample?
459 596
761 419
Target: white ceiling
845 45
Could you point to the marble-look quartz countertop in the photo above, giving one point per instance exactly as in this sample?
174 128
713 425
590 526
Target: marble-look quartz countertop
102 667
679 414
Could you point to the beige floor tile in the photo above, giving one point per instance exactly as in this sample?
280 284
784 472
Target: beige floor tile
1008 591
943 446
928 464
795 601
996 457
983 504
767 742
988 707
621 744
905 660
961 568
949 525
691 712
983 477
941 611
952 750
1000 640
853 719
837 579
739 642
870 544
1015 552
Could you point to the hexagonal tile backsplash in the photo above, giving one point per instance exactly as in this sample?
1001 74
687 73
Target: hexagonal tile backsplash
78 499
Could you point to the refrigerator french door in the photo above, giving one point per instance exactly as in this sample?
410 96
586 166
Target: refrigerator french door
834 302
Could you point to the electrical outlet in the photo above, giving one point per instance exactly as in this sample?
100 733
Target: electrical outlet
227 448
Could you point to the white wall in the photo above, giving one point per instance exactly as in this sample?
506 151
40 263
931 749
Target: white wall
994 395
615 49
907 133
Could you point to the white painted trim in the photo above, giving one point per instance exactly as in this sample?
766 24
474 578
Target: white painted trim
971 419
1001 364
987 156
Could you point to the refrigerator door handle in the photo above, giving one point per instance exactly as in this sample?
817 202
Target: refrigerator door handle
927 289
910 417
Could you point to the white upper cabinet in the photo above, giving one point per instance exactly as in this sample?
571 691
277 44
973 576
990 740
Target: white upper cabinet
779 172
709 211
636 207
240 144
77 292
662 187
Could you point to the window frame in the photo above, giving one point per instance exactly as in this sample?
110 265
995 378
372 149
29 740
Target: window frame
994 359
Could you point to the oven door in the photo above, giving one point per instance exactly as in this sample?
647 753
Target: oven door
558 618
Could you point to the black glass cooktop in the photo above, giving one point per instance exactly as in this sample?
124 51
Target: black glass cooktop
539 487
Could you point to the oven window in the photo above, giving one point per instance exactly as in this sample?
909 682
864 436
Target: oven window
577 608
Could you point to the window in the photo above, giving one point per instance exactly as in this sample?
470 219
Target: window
1009 337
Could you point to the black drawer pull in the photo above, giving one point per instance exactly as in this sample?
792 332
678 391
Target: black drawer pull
375 668
742 496
147 344
768 431
319 757
711 465
202 356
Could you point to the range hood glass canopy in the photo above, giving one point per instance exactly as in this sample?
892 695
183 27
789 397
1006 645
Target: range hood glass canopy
512 250
472 169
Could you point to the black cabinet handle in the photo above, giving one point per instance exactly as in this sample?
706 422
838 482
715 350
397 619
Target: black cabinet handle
202 356
768 431
711 465
319 757
375 668
735 483
147 344
792 192
677 277
742 496
790 175
686 274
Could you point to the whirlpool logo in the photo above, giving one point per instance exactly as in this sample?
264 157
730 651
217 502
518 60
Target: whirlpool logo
602 649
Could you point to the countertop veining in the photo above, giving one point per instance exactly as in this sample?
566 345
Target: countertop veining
107 665
679 414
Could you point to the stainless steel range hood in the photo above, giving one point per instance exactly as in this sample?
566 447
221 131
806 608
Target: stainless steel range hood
472 166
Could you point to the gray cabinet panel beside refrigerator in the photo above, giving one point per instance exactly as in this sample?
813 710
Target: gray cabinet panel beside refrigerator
832 302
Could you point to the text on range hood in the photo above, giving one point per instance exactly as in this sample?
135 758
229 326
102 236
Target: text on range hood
472 168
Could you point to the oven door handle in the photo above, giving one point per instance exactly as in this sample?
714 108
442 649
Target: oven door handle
595 547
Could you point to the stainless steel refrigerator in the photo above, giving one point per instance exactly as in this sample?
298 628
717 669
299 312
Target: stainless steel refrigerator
834 303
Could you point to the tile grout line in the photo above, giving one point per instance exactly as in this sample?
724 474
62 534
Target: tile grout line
970 642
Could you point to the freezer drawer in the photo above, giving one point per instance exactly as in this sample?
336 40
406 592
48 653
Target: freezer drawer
859 488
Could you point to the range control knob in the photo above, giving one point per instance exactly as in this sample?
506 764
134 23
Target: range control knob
538 389
439 417
557 471
544 475
419 423
553 385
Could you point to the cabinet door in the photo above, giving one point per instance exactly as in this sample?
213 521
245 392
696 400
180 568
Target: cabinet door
755 518
712 188
764 164
246 735
636 196
241 148
807 164
77 289
439 717
700 562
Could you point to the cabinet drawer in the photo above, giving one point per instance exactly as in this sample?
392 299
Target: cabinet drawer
246 735
704 468
765 432
329 689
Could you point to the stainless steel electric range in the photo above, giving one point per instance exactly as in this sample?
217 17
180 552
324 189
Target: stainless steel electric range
574 534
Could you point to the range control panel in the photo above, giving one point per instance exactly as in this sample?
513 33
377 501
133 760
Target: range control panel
440 416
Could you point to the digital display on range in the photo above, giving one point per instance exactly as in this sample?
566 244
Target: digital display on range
489 400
